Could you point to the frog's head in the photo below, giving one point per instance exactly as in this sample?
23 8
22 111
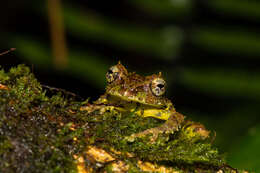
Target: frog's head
147 90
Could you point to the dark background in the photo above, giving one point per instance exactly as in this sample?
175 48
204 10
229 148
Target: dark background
208 51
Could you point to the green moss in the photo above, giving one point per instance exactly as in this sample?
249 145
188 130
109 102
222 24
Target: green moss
3 76
174 148
41 133
30 126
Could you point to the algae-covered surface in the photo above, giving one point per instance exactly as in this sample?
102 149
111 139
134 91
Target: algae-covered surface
43 131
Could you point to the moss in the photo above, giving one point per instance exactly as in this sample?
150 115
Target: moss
42 132
30 126
175 148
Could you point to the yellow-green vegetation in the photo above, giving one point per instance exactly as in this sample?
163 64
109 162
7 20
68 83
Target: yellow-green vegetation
42 131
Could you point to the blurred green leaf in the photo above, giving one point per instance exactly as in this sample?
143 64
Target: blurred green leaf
165 8
226 82
81 64
248 9
232 40
233 123
34 51
163 42
246 153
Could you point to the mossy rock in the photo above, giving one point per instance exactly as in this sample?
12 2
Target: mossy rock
43 131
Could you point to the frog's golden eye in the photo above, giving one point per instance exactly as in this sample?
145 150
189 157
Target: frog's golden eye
112 74
158 86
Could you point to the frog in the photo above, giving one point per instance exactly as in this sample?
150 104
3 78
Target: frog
142 95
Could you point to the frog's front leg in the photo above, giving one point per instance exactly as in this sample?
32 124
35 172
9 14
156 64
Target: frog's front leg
170 126
101 108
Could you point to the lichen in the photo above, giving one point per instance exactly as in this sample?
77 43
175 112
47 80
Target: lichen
42 131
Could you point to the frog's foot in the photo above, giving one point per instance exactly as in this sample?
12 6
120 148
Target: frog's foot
195 130
91 108
101 108
170 126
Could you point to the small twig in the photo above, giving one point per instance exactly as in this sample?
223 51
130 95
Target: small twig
62 90
8 51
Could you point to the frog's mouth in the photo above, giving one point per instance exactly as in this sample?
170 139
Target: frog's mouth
140 108
122 100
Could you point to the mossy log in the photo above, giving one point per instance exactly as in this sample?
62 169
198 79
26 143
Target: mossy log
44 131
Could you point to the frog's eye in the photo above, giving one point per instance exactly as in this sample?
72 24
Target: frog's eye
112 74
158 86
